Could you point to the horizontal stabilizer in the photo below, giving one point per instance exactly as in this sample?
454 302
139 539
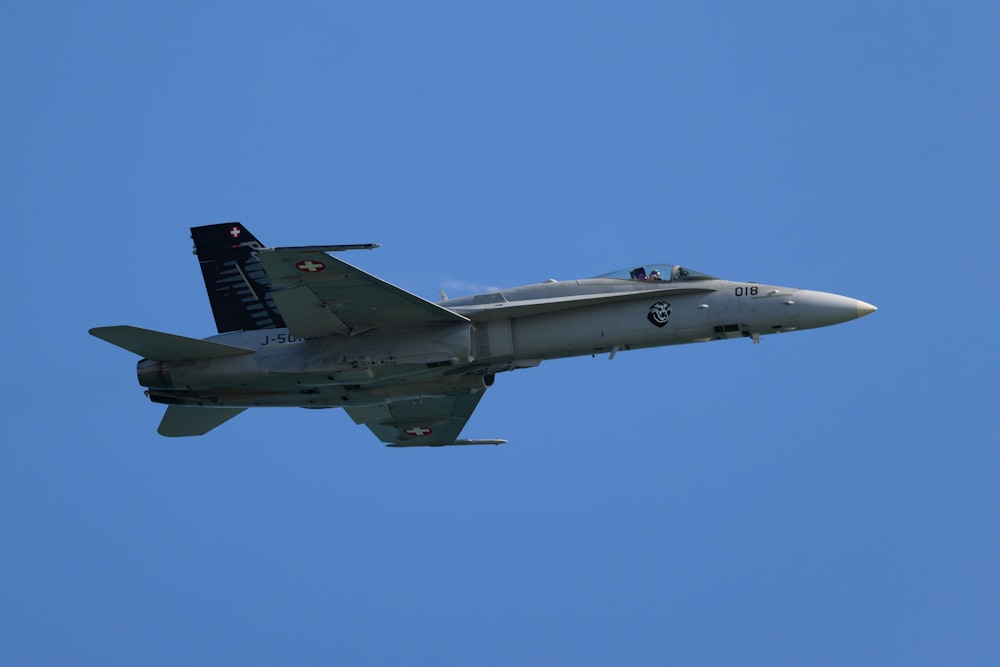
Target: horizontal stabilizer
161 346
179 421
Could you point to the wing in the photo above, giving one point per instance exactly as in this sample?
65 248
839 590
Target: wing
431 421
319 295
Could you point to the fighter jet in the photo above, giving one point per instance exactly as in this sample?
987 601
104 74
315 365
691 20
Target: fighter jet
299 327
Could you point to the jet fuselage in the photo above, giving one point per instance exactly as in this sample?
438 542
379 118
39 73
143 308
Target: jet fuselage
508 329
299 327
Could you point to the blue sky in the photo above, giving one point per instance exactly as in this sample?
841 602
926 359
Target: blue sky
828 497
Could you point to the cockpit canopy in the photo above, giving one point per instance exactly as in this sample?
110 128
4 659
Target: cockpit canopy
671 273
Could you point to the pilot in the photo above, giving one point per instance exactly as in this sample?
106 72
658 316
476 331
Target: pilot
655 275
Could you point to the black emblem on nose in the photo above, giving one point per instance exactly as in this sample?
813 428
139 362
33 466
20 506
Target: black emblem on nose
659 313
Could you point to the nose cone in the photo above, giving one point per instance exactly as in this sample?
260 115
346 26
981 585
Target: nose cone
821 309
865 309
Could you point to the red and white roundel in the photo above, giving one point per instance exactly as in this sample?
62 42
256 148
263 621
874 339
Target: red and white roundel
418 431
309 266
235 232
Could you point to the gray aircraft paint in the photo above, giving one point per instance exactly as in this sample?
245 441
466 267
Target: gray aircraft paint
406 379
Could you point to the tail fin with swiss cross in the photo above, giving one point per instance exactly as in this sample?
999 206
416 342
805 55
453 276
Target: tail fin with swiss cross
238 288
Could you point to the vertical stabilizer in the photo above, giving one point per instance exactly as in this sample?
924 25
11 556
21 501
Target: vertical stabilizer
238 288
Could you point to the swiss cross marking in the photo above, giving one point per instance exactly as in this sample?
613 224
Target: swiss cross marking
235 232
417 431
310 266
